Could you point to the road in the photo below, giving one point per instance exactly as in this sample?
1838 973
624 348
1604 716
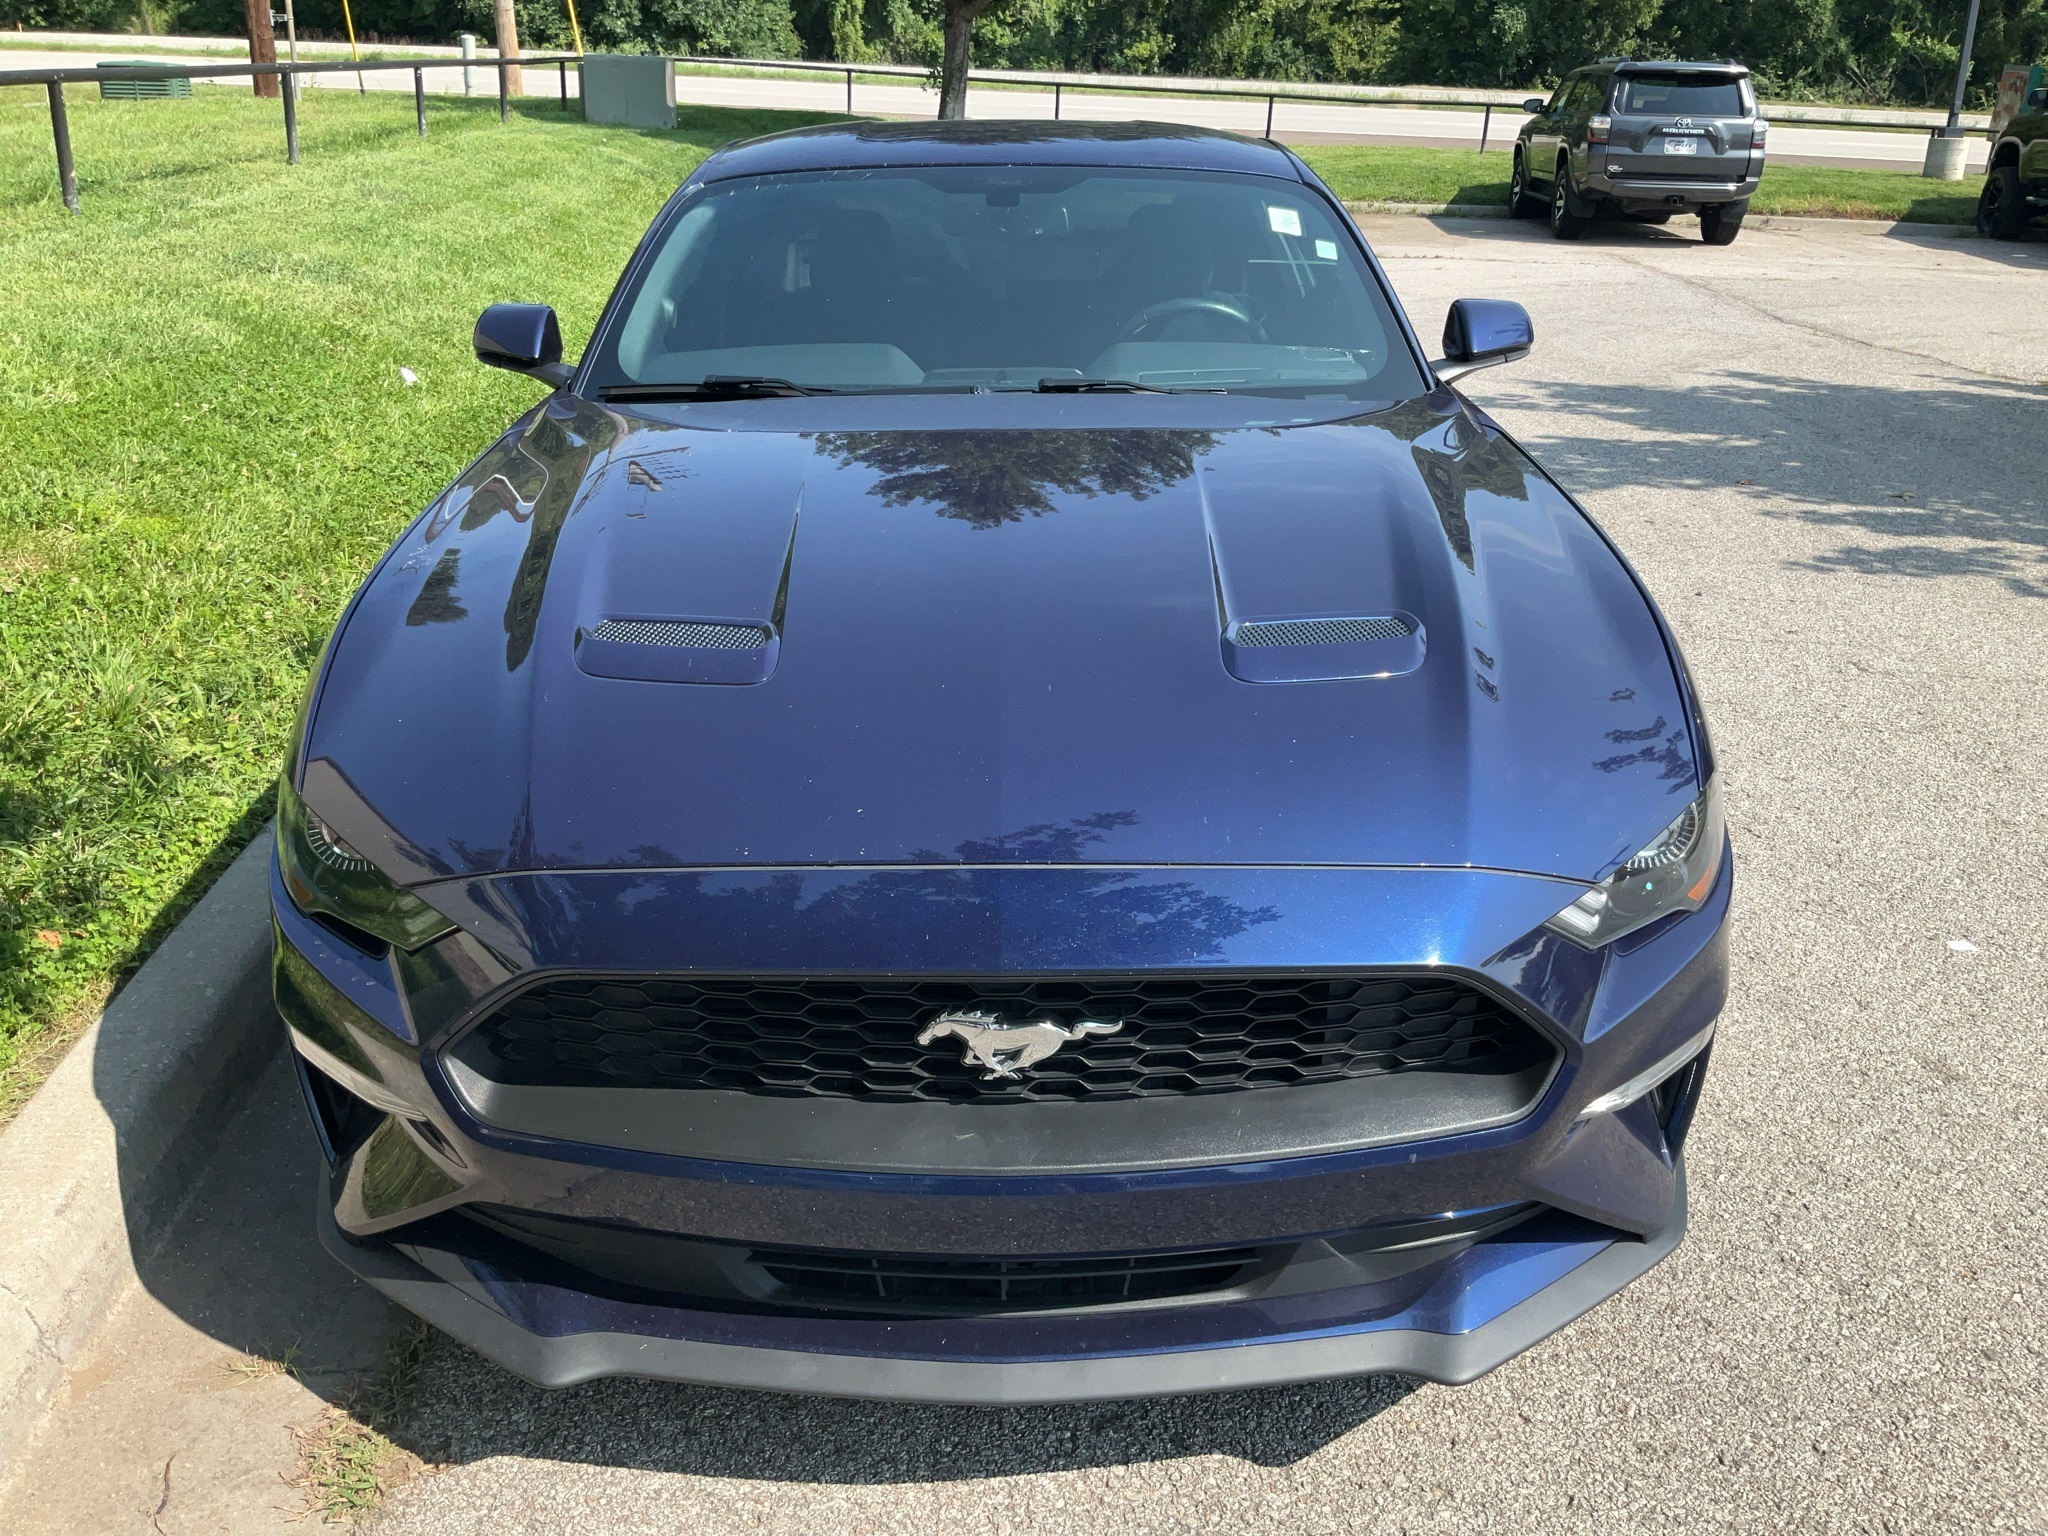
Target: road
1293 121
1823 449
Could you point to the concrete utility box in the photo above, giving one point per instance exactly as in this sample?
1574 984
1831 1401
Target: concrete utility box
633 90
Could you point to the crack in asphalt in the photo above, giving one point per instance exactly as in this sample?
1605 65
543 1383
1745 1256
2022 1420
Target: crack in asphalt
1815 328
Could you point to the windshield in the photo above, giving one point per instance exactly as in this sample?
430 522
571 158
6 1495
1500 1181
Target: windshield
1680 96
1009 277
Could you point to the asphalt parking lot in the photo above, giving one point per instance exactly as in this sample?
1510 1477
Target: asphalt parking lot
1827 451
1819 449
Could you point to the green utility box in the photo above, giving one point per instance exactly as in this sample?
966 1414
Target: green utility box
139 90
632 90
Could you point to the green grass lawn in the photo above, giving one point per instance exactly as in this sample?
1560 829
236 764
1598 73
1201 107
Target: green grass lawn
1375 173
205 440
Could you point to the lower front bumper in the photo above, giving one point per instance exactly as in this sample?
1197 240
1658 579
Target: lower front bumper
1643 193
1448 1357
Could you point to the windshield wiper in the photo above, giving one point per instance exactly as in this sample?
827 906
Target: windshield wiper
716 386
1095 386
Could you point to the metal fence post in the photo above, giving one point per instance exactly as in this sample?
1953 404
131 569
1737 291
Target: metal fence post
1269 117
562 68
291 119
1055 101
1485 127
419 99
504 93
60 129
849 93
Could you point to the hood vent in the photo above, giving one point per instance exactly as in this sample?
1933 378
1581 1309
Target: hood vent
1324 631
1323 648
706 637
650 650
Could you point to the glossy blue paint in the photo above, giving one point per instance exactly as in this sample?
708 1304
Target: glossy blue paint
846 146
995 730
973 663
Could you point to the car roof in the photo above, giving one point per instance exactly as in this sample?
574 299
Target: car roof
865 145
1670 66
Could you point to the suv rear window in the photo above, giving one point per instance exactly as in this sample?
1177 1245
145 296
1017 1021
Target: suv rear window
1680 96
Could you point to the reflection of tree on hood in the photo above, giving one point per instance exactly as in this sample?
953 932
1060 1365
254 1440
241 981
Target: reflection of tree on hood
991 478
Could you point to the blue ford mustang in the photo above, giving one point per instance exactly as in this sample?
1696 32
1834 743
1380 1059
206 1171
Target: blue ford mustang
1001 796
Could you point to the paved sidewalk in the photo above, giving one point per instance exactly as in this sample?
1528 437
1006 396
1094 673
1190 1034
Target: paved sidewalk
174 1396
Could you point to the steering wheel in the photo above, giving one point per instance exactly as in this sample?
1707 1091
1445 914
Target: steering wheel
1169 309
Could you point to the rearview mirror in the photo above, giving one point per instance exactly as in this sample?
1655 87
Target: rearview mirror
1535 104
1480 333
525 338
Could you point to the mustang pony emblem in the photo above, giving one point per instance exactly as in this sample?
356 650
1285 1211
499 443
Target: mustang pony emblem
1005 1050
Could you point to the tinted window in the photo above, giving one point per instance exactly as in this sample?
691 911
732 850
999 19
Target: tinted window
1680 96
996 277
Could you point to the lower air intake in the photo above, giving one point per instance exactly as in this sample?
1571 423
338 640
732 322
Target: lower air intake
999 1284
704 637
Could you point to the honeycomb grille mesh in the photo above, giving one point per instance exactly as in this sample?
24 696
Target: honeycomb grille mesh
857 1039
705 637
1323 631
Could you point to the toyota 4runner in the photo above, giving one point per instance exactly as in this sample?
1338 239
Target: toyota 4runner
1642 140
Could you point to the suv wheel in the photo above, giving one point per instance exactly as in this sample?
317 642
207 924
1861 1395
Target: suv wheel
1520 204
1565 224
1720 223
2002 206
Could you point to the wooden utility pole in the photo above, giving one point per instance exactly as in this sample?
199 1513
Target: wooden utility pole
262 44
508 48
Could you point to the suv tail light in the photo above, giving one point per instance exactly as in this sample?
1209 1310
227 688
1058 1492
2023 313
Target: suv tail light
1757 130
1596 129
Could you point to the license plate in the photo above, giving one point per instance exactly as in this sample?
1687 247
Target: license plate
1681 146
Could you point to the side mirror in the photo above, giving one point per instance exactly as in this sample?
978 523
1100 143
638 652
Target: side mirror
1536 104
1480 333
525 338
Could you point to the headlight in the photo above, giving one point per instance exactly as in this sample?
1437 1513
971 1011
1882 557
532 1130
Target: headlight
1673 873
324 874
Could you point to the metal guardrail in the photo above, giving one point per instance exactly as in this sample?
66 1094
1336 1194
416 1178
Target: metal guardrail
1328 95
1341 94
1107 85
54 81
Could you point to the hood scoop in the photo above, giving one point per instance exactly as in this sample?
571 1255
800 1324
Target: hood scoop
1322 649
688 557
669 650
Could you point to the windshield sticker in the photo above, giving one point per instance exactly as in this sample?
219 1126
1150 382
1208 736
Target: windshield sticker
1326 250
1285 221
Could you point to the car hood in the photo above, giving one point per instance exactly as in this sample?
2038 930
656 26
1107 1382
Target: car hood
997 635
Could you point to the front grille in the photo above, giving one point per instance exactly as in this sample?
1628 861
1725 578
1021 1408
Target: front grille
705 637
858 1039
1004 1284
1323 631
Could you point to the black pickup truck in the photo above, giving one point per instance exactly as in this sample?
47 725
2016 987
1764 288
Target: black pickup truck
2016 184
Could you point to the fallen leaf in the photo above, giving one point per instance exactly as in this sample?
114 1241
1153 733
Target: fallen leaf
49 938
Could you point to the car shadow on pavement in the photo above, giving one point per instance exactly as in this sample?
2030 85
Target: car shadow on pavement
1938 469
467 1409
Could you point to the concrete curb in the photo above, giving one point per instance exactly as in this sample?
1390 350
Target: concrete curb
100 1157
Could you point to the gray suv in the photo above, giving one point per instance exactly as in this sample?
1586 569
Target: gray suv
1642 140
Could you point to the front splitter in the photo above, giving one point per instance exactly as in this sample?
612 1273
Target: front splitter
1451 1359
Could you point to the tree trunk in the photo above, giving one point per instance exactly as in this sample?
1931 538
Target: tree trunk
262 44
960 16
508 48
